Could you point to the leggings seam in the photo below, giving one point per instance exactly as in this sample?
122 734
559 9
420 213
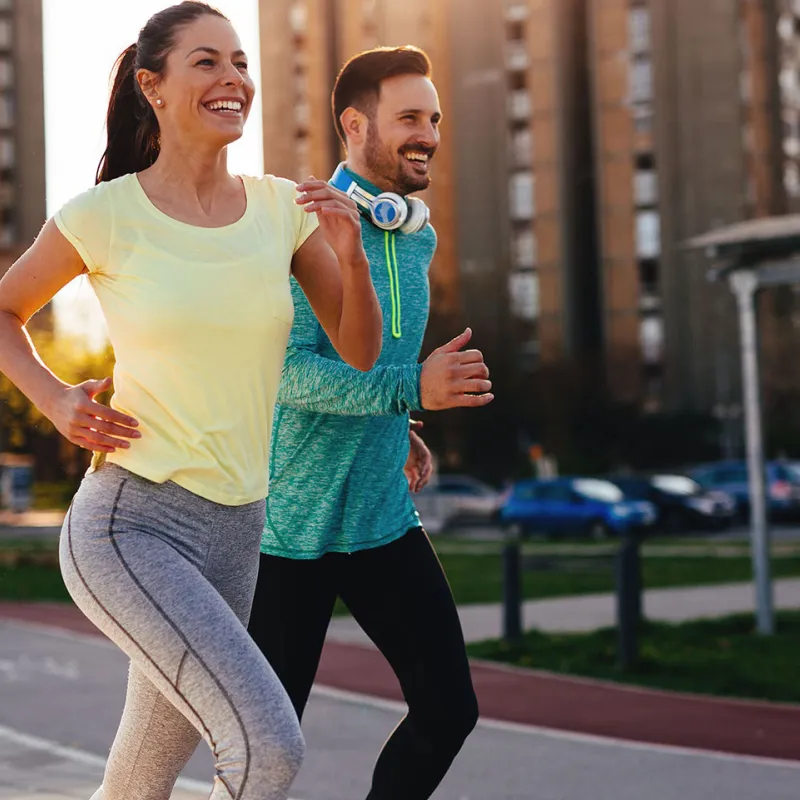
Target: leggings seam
144 653
180 668
190 649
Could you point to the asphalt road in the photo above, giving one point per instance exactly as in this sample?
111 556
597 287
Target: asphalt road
69 689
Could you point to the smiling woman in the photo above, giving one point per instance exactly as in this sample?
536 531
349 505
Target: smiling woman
191 265
85 34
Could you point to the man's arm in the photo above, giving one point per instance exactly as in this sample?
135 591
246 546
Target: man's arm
312 382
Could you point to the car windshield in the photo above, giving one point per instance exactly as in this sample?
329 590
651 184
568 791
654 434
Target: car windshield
603 491
676 484
793 470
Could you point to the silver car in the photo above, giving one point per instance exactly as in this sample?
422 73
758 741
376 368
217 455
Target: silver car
450 500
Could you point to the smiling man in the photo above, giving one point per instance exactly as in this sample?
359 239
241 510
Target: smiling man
340 519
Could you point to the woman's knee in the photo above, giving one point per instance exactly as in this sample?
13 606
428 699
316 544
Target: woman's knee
278 749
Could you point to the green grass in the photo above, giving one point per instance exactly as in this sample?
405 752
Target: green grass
719 657
28 569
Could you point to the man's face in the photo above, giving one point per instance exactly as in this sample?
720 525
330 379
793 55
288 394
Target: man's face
404 134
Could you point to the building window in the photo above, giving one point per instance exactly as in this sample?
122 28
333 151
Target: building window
516 56
651 339
6 111
641 80
524 249
522 147
523 292
645 187
521 198
517 12
6 73
6 34
6 152
648 234
519 105
298 17
643 120
639 29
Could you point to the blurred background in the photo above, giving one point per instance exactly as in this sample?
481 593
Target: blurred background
584 142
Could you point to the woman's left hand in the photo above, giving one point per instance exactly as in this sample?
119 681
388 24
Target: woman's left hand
338 217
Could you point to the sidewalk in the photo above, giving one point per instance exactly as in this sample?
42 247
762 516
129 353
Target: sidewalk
593 611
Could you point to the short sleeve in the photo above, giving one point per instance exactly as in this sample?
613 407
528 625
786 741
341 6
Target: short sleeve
303 223
85 221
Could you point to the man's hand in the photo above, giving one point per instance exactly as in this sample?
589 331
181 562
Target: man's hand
419 465
453 378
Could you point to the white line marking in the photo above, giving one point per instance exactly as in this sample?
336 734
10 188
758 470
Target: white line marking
82 757
560 735
345 696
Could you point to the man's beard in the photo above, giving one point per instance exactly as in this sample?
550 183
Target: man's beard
389 167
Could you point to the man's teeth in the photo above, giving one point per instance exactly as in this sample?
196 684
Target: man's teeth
224 105
423 157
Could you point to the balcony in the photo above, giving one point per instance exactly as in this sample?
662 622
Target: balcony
517 12
517 58
645 187
519 105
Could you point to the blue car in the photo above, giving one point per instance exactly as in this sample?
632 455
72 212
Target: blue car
578 506
782 484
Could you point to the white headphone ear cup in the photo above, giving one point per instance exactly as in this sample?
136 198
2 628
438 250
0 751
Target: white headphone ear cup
418 215
379 203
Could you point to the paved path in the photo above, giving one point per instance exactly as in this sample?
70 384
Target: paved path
592 611
60 689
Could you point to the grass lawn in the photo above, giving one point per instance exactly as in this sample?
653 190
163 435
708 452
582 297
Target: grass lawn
719 657
29 570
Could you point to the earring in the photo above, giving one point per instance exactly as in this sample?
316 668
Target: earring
159 102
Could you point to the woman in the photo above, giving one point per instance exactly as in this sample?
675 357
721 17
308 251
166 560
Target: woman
191 266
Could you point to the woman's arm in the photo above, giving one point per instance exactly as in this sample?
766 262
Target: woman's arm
333 271
47 266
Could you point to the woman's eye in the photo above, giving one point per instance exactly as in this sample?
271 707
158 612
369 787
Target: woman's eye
205 62
242 65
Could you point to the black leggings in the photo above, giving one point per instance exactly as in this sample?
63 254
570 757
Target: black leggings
399 595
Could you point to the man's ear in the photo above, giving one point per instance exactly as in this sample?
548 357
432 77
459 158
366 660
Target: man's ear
354 124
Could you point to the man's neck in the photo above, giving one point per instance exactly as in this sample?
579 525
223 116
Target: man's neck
362 171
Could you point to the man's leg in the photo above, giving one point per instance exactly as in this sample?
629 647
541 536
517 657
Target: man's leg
291 612
398 593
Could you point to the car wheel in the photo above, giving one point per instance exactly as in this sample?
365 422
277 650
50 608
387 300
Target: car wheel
599 531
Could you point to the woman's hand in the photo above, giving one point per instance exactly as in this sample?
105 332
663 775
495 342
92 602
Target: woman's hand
83 421
338 216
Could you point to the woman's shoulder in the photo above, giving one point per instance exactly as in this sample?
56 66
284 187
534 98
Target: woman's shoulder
272 186
103 193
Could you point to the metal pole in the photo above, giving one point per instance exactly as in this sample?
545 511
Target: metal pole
512 590
744 284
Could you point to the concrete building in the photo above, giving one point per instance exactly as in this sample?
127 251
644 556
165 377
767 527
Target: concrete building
22 162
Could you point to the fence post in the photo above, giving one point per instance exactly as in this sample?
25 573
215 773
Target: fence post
629 600
512 589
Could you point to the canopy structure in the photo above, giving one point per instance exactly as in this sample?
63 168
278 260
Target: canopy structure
751 256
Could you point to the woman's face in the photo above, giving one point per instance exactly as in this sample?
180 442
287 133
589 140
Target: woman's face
206 90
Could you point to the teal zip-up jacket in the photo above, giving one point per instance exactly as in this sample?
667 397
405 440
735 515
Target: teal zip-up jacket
340 436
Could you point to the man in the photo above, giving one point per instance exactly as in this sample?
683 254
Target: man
340 519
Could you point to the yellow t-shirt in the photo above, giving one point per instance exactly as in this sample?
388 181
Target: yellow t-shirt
199 319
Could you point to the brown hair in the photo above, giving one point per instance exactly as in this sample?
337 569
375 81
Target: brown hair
358 83
132 142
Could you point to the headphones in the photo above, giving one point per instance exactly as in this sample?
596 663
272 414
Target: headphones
388 211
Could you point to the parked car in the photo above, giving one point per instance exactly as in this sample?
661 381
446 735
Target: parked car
581 506
782 484
450 500
681 503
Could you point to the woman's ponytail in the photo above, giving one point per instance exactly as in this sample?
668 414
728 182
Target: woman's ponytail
131 126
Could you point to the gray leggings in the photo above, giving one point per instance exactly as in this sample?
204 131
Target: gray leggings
169 577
